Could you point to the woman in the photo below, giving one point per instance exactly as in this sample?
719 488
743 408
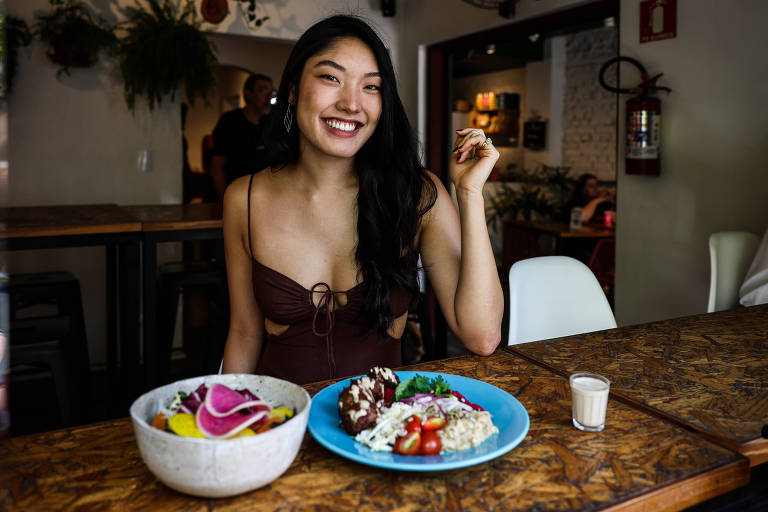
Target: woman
592 201
322 251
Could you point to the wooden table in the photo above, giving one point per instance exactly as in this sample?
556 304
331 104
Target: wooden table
563 229
521 238
46 227
167 223
639 462
707 372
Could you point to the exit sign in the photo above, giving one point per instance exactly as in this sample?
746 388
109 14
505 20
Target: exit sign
658 20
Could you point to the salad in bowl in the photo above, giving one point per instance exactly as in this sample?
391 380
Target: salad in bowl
220 435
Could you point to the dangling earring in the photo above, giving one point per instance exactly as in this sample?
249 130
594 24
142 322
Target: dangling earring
288 119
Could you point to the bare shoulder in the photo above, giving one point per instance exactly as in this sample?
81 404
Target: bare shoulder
442 198
236 196
257 185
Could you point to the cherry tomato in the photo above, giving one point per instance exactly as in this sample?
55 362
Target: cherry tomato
433 423
414 424
408 444
430 443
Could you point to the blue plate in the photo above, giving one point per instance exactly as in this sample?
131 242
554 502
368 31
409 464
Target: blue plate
508 415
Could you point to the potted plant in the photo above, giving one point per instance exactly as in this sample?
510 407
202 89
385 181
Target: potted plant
75 36
163 50
540 194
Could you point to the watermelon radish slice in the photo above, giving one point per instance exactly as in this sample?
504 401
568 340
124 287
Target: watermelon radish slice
221 401
220 427
193 400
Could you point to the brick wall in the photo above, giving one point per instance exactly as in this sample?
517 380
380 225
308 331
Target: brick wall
589 137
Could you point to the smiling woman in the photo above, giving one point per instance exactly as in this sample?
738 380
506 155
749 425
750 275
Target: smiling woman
322 249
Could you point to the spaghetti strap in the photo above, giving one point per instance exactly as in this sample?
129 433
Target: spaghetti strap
250 245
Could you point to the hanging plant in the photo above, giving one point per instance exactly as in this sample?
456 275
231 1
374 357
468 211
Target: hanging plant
74 35
163 50
17 34
249 10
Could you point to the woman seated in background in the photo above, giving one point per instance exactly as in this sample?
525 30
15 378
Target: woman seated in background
592 200
322 250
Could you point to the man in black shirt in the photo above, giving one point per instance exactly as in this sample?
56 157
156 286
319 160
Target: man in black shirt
238 148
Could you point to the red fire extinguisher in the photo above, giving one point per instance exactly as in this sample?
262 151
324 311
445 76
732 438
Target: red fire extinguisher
643 127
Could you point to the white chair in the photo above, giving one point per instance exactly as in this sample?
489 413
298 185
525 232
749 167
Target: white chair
730 254
553 296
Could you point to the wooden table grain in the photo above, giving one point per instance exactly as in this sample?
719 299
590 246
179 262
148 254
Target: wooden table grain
707 372
66 220
174 217
639 462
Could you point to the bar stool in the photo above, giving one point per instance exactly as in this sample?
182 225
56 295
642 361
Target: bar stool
179 278
47 332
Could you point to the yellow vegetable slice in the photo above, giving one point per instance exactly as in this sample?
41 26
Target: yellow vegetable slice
244 433
283 413
183 424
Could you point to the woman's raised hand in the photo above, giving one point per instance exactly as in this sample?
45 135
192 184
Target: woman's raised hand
473 159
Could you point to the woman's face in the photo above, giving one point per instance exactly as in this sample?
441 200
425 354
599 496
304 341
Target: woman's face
590 188
339 99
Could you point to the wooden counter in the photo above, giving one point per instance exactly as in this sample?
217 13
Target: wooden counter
638 462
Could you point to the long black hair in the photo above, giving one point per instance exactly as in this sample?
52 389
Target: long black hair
579 198
394 189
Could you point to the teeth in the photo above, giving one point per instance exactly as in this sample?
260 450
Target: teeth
339 125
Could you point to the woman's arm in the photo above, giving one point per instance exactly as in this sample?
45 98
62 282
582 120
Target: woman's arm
588 211
456 250
246 333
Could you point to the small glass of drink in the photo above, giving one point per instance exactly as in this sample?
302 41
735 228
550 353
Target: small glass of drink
589 396
575 218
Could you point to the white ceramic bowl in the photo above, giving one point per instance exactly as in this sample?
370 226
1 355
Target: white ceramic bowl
217 468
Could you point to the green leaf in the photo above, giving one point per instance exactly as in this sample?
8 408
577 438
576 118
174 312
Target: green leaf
421 384
440 386
402 390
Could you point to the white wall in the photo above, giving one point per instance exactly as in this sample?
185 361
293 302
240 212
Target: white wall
714 152
253 53
73 141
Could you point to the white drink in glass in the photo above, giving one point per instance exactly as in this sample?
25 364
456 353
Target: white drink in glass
589 395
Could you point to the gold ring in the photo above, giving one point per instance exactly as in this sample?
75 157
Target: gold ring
486 143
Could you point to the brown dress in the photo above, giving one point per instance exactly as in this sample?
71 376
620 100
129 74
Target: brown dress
325 336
